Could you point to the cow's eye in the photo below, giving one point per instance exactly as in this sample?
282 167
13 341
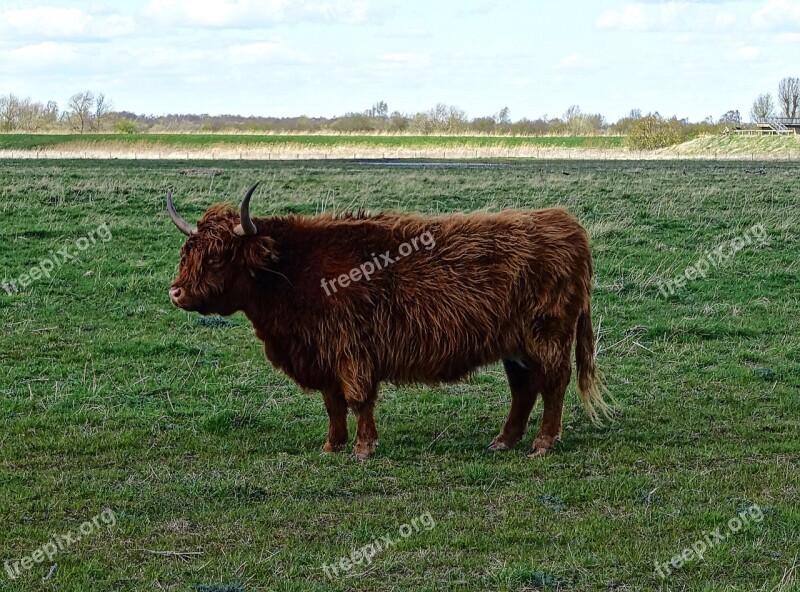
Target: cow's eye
212 261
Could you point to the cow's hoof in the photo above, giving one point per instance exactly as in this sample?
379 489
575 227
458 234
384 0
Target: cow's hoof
364 451
499 446
543 445
537 451
332 448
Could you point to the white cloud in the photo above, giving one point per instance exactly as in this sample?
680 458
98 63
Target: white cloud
747 53
778 15
245 14
671 15
172 59
39 56
261 52
575 61
724 19
47 22
788 37
409 59
632 17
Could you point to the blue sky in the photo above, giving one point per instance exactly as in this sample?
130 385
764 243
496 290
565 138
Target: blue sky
327 57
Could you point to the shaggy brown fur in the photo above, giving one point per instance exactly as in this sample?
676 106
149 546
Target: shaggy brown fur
513 286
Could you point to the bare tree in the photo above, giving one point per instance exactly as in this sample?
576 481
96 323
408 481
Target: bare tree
503 117
763 108
9 113
578 123
380 109
29 115
789 96
732 117
102 110
50 114
79 111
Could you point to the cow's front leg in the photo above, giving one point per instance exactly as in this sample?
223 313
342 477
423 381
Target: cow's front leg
336 405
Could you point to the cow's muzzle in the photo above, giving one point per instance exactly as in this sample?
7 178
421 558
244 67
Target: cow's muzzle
176 296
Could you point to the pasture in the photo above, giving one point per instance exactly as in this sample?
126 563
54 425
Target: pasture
113 400
192 141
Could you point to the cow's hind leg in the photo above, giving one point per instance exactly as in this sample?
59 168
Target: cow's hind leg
336 405
366 432
524 387
361 397
556 379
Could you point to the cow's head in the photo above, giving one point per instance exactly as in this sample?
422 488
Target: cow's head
219 261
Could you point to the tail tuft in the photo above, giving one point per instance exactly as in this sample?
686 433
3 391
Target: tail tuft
590 385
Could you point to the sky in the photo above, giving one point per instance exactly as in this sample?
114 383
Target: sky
329 57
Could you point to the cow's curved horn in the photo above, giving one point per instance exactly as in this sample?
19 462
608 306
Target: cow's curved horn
182 224
246 227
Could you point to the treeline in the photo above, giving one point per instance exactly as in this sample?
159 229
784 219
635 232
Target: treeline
85 112
88 111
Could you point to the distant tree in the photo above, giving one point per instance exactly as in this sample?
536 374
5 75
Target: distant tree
623 124
380 109
456 121
763 108
484 125
527 127
355 122
503 117
653 131
421 123
9 113
573 113
87 111
102 112
577 123
29 115
26 114
442 119
789 97
79 111
50 114
732 117
398 122
125 126
303 124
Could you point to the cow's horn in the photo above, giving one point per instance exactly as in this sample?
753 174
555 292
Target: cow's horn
246 227
182 224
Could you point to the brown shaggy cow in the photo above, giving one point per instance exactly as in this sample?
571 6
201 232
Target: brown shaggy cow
441 296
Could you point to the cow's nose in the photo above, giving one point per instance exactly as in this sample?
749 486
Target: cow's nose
175 294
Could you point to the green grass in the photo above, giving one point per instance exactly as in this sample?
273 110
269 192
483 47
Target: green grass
111 398
784 147
41 141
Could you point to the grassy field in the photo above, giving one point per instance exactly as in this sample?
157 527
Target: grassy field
44 141
114 401
742 147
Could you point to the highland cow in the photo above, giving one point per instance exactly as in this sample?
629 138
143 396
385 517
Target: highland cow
344 302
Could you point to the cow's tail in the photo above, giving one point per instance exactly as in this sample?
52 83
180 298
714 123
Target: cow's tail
590 385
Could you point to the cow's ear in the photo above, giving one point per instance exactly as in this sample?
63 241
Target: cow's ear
259 252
